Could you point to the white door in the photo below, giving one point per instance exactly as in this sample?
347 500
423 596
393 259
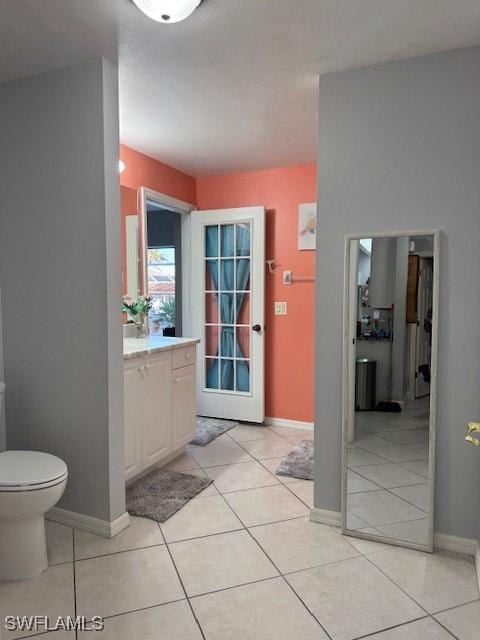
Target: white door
424 321
157 408
228 311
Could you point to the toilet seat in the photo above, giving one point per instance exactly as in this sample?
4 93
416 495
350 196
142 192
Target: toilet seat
30 471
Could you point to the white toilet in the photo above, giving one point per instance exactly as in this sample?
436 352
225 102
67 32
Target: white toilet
31 483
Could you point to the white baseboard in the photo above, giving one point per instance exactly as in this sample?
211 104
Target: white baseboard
466 546
292 424
324 516
88 523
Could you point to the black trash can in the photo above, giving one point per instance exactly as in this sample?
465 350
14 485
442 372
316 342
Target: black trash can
365 384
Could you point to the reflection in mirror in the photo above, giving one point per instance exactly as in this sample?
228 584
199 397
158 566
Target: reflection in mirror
391 371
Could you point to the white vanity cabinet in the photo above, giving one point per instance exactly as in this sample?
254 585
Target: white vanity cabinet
160 407
156 428
183 405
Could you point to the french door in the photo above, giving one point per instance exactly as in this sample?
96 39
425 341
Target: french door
228 309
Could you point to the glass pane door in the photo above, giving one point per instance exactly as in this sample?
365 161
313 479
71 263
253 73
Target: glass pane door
227 319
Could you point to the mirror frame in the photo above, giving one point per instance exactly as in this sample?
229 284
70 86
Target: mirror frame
348 381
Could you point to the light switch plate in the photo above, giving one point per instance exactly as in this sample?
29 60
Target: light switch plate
280 308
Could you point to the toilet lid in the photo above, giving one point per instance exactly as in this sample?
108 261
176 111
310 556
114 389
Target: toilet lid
27 468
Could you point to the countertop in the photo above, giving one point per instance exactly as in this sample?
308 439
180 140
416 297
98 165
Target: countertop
138 347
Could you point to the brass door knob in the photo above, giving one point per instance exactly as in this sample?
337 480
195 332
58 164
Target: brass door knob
472 427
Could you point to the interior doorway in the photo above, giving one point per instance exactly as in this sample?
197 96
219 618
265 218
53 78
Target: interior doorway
165 269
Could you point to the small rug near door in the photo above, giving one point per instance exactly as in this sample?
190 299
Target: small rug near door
299 462
162 493
210 428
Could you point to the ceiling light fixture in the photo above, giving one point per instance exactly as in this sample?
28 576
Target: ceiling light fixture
167 11
121 166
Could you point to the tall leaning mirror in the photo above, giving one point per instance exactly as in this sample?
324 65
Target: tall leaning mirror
389 387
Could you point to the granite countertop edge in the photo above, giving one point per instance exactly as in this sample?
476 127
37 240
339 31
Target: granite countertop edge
138 347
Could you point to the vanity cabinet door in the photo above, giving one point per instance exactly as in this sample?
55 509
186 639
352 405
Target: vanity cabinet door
184 401
157 408
133 420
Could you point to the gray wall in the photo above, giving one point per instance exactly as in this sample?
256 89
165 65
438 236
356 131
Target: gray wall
399 149
3 435
60 277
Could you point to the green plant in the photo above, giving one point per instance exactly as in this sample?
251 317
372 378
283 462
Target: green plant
137 308
167 311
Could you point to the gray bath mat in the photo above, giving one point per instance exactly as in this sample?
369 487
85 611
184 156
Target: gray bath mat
162 493
210 428
299 462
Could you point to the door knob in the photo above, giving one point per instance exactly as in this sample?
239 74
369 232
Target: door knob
473 427
257 328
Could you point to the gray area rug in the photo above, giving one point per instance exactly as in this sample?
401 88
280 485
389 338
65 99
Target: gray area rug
299 462
210 428
162 493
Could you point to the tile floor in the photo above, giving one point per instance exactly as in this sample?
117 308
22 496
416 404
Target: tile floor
241 561
388 471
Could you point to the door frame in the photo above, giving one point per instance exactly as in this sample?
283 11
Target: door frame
185 209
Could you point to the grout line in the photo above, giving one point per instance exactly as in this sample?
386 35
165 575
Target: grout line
273 475
445 628
397 626
266 524
280 573
374 453
324 564
389 490
413 484
152 606
248 531
208 535
116 553
253 459
263 486
181 582
397 585
287 486
307 609
457 606
387 524
234 586
244 527
427 513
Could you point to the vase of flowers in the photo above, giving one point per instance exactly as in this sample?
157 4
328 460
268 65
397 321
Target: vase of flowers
137 311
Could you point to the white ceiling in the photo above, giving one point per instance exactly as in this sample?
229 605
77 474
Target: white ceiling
235 86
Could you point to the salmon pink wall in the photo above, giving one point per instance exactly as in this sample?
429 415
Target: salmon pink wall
128 206
143 171
289 339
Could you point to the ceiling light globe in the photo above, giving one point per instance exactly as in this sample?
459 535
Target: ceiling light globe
167 11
